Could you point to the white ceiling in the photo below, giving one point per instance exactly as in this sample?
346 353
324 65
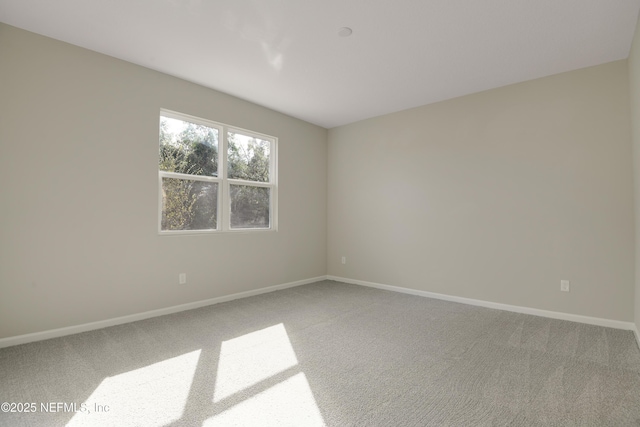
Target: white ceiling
287 55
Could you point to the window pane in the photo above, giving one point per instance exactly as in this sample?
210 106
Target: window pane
188 147
189 205
249 206
248 157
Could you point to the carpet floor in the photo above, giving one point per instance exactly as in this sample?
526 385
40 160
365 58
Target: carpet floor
329 354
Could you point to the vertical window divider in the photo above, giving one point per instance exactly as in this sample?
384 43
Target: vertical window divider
225 208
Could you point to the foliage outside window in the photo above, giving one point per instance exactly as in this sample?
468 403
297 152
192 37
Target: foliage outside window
213 177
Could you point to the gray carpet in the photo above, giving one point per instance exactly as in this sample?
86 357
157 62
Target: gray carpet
329 354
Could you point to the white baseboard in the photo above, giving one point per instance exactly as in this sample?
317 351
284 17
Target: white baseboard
60 332
514 308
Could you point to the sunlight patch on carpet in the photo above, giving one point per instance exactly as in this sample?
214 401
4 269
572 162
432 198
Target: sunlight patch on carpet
248 371
247 360
288 403
153 396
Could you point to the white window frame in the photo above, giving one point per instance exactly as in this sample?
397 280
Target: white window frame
223 217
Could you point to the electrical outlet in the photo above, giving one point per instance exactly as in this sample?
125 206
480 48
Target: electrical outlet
344 259
564 285
182 278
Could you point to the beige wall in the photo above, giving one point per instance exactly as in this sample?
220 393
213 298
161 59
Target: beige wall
634 83
495 196
78 217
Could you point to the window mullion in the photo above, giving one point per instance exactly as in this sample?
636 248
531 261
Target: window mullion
176 175
224 210
249 183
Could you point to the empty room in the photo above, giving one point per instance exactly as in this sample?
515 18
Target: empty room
336 213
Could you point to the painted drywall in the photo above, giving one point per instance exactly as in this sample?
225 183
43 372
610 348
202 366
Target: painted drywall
634 88
78 174
495 196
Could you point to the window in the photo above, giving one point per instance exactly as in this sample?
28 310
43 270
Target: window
213 177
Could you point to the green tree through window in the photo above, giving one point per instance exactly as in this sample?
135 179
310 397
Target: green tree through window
190 149
192 188
248 160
